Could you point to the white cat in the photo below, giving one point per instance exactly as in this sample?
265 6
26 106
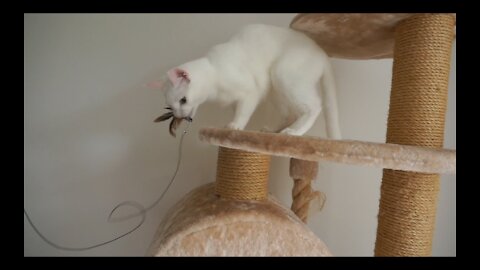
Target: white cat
258 60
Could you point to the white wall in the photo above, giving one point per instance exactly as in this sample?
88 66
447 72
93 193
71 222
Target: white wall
90 142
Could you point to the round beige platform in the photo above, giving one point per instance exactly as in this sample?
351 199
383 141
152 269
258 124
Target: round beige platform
383 155
202 224
352 35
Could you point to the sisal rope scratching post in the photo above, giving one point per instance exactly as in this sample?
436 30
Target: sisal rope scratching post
303 173
418 101
242 175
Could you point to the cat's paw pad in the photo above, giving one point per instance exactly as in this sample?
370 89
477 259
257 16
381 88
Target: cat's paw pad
233 126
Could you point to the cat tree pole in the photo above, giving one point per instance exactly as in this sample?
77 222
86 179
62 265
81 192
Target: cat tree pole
418 104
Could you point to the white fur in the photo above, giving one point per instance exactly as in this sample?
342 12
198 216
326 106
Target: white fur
258 60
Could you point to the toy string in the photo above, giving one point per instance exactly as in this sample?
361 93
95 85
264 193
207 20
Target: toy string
142 211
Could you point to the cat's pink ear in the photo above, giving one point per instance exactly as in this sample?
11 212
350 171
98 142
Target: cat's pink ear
176 75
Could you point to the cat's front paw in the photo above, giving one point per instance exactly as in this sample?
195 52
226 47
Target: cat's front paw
233 126
289 131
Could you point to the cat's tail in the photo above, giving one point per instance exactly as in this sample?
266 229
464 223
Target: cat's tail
330 103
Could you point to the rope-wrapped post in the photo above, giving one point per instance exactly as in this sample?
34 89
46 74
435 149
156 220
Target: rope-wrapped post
418 102
242 175
303 172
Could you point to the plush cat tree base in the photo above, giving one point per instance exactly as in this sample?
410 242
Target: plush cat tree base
203 224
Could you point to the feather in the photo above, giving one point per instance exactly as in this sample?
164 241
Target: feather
164 117
174 124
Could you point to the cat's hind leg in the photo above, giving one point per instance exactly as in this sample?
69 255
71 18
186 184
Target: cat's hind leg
295 77
303 101
304 122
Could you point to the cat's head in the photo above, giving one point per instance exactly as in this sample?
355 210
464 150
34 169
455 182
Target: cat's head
179 97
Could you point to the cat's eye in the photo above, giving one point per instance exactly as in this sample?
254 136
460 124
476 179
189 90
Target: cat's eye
183 100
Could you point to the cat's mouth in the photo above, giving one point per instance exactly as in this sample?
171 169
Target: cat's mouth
175 120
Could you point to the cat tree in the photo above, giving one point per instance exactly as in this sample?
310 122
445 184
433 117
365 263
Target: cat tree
235 216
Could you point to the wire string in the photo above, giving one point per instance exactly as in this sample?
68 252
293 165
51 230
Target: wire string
142 211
